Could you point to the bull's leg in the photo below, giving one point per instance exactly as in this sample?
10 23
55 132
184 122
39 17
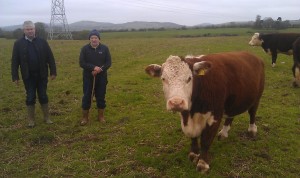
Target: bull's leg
296 74
296 66
274 57
194 153
207 138
226 127
252 129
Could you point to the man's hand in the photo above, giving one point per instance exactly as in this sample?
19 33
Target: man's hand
94 73
96 70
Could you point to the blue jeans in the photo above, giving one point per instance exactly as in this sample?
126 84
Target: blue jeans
35 84
100 91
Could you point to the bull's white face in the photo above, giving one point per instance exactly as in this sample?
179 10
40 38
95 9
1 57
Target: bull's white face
255 41
177 82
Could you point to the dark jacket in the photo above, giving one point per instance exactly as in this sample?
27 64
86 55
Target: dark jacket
91 57
20 58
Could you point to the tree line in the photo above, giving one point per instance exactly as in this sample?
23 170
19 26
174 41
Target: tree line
269 23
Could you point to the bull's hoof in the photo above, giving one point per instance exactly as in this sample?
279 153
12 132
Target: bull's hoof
224 132
202 166
252 134
252 130
222 136
194 157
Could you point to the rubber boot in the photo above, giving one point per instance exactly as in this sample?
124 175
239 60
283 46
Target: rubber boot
101 115
45 110
30 112
85 117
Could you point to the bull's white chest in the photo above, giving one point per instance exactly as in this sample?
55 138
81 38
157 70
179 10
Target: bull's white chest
196 124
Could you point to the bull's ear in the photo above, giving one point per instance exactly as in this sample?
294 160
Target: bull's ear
154 70
201 68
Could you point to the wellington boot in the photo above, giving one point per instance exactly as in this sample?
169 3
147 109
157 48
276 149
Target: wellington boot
85 117
101 115
45 110
30 112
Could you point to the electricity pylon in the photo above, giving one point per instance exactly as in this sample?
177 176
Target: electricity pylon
59 28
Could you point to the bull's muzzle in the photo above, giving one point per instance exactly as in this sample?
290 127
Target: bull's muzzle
176 104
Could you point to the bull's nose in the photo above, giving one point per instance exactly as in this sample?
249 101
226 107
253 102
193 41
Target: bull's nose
176 104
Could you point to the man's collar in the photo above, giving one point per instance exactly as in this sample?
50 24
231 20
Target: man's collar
26 38
94 47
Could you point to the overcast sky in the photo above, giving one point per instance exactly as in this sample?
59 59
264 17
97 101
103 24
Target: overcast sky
183 12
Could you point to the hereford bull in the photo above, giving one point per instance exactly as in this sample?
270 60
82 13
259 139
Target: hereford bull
275 43
206 88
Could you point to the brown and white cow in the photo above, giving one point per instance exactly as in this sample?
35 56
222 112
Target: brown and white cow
206 88
296 66
275 43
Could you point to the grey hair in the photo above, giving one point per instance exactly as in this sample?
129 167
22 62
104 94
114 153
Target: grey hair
28 24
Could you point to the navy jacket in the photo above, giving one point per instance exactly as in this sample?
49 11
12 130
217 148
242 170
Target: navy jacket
20 58
91 57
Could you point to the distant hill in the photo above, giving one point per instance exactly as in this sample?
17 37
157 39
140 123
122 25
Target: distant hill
88 25
11 28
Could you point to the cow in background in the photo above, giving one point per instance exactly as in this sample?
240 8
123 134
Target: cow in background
275 43
207 88
296 66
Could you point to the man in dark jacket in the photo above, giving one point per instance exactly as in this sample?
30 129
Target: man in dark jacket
33 55
95 60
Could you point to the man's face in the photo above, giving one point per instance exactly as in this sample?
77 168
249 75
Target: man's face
29 32
94 41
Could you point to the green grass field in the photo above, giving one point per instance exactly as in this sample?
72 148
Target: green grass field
140 138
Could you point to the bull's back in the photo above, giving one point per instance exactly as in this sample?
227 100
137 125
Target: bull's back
240 78
281 41
239 65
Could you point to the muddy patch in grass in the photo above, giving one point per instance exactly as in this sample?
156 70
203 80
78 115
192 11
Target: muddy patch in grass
263 155
247 136
6 109
45 138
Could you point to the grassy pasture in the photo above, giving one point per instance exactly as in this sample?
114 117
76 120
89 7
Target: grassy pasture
140 138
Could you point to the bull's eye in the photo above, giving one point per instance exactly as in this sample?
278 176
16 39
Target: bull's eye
164 80
189 79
